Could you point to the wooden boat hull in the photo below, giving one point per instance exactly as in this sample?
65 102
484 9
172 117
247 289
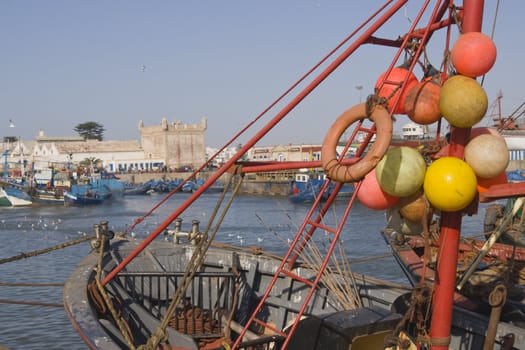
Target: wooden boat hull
469 312
149 282
44 196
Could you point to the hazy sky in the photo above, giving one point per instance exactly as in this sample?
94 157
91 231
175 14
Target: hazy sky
118 62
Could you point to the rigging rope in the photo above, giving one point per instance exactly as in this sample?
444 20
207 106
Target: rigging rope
194 264
34 303
261 114
120 322
45 250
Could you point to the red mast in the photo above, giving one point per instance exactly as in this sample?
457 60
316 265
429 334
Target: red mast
445 284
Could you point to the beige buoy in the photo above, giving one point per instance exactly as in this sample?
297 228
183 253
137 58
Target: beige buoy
487 155
462 101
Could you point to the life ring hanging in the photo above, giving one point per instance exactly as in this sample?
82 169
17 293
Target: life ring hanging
355 172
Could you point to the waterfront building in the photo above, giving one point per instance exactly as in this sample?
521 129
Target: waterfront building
176 143
167 146
282 153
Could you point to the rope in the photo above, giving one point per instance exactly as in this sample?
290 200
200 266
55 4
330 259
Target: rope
493 30
418 299
194 264
7 284
418 312
35 303
375 100
46 250
234 303
124 330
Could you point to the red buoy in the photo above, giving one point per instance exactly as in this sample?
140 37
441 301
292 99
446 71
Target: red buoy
422 102
372 196
392 87
473 54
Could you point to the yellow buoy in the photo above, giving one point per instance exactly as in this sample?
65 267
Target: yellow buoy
462 101
401 171
450 184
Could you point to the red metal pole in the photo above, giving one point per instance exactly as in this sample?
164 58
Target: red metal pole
445 284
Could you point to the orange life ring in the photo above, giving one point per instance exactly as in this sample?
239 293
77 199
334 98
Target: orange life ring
355 172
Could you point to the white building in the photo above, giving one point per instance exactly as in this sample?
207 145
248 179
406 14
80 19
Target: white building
412 131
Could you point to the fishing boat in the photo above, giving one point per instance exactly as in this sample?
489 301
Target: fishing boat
87 195
512 128
14 194
192 186
307 186
52 192
186 291
9 200
107 181
137 189
220 295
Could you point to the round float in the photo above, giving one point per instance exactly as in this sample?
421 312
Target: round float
391 89
462 101
450 184
372 196
401 171
473 54
422 102
488 155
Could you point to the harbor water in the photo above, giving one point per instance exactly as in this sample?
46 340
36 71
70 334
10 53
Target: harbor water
31 289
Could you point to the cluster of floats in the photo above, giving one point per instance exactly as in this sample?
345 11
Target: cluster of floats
191 292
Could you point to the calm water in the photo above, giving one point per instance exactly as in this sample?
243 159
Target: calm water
252 220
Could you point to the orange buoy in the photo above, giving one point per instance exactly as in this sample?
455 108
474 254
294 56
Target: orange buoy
488 155
462 101
473 54
484 184
422 102
392 87
372 196
415 208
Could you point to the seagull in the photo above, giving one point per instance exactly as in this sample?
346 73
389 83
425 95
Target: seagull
142 68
